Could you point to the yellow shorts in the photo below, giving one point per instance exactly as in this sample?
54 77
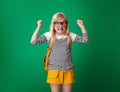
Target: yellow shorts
60 76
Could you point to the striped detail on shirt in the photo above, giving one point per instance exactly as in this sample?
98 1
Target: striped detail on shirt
60 57
74 37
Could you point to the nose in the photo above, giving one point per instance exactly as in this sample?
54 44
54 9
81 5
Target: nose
60 26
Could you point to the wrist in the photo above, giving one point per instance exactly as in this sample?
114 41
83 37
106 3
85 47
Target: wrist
38 27
82 27
83 30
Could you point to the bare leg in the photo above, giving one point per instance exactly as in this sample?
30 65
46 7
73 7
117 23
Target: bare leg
66 87
55 87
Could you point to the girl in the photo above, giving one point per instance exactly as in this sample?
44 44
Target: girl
60 68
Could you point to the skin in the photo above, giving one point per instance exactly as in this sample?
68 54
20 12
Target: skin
60 30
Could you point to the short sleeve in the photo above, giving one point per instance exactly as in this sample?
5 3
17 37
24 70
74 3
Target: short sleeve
73 36
47 35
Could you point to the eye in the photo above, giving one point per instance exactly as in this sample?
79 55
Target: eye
60 23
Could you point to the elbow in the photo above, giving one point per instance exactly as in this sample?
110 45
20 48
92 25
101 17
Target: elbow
86 41
32 42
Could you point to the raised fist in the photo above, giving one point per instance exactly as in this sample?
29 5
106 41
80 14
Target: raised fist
80 23
39 22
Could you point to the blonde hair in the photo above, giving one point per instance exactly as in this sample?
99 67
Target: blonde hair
56 16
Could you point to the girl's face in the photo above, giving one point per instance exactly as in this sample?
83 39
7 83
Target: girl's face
60 26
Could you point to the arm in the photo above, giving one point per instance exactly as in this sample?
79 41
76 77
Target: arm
35 34
81 25
84 38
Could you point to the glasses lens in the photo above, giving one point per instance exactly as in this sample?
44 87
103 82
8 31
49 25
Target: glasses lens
60 23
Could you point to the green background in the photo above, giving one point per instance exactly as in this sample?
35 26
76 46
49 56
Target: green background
97 64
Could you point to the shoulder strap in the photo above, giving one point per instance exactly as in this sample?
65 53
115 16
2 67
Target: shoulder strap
46 59
50 45
49 49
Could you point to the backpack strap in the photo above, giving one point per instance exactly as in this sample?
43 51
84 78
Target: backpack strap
46 58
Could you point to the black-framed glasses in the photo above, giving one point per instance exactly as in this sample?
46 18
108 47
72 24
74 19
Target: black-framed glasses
60 23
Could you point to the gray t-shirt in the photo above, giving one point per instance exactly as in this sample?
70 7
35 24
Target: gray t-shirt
61 57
